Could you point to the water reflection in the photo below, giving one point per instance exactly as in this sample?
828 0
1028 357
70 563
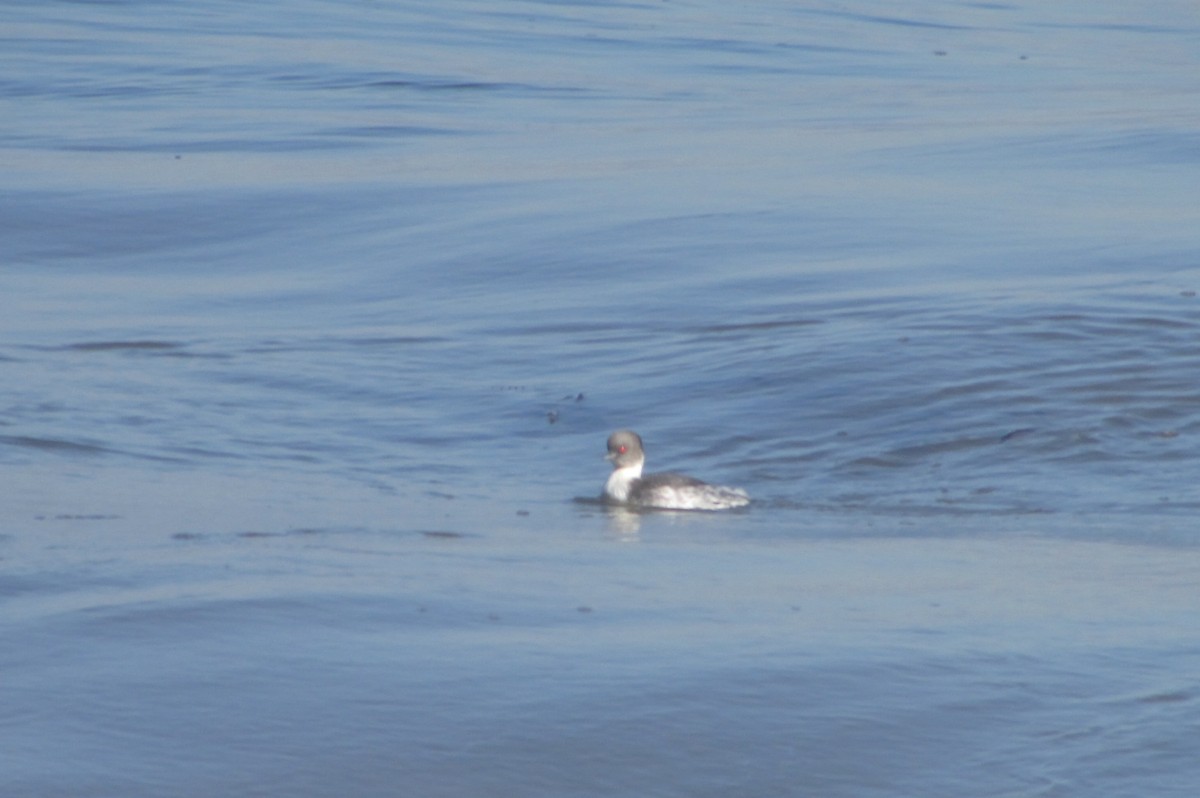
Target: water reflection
624 522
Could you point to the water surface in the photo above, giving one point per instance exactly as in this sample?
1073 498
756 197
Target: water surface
315 323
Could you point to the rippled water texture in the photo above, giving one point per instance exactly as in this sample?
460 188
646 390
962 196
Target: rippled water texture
315 317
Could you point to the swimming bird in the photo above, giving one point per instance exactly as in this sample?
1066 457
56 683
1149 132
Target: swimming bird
627 486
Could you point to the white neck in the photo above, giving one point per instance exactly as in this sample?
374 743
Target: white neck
621 480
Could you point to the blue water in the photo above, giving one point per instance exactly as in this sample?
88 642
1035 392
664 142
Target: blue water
315 316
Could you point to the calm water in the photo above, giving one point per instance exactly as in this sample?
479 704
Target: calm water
316 315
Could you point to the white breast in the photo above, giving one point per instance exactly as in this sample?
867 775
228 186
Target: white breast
620 482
